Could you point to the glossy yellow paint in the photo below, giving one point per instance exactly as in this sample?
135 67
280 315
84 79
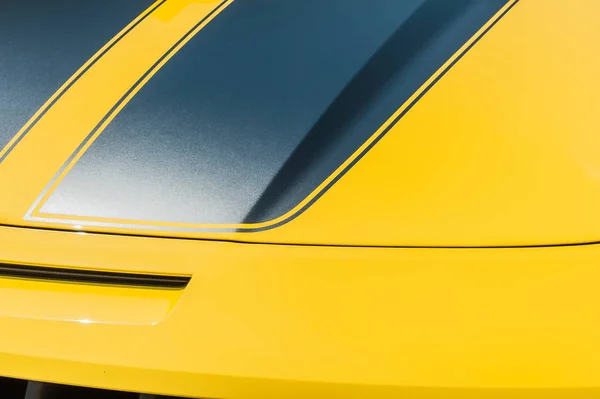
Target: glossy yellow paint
502 150
84 303
269 321
506 138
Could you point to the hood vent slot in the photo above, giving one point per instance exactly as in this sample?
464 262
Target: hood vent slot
93 277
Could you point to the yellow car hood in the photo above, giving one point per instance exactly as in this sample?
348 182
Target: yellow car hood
430 123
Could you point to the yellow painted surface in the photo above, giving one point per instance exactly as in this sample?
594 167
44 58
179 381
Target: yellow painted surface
268 321
84 303
503 150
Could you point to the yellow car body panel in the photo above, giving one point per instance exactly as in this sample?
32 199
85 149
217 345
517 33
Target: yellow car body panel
506 136
502 151
270 321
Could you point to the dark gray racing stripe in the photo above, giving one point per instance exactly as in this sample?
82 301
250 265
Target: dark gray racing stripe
261 106
43 43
